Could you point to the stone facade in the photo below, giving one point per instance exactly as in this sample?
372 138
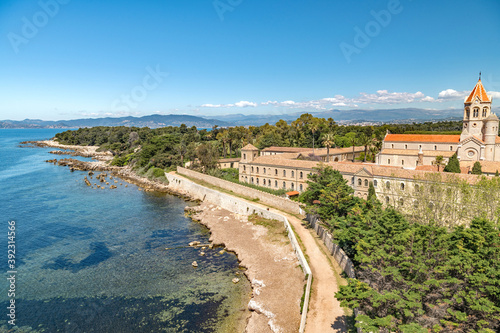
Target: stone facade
479 140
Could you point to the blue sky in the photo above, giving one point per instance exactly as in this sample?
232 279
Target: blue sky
67 59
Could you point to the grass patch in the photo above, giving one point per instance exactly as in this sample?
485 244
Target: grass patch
276 230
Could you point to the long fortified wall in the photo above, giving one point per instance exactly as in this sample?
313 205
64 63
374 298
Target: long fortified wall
239 206
267 198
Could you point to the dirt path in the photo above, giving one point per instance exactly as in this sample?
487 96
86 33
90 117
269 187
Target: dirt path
325 313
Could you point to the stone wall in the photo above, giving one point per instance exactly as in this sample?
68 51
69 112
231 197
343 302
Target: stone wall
243 207
264 197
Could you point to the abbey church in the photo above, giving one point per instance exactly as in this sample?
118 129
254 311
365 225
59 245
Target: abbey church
479 140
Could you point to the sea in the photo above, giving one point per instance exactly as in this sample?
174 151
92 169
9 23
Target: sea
115 260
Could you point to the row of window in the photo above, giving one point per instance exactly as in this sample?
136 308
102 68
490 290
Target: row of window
401 202
388 184
268 171
475 112
268 182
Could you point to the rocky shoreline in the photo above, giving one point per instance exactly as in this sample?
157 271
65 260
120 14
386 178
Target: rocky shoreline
271 268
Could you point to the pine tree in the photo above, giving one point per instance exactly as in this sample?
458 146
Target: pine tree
476 169
496 174
453 165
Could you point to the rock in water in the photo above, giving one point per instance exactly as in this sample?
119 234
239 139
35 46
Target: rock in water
195 264
202 253
87 182
236 280
195 243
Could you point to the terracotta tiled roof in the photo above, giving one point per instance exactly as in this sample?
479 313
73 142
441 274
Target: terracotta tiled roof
227 160
486 166
422 138
478 91
414 152
285 149
335 151
249 147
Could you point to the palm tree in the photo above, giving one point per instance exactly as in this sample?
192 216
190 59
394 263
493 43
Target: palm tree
224 138
366 141
328 141
438 161
314 128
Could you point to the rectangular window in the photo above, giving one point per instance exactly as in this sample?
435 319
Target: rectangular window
389 161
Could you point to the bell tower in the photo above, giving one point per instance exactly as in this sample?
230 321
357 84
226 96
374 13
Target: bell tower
477 108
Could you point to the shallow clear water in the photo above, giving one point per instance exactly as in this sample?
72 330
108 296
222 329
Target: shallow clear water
93 260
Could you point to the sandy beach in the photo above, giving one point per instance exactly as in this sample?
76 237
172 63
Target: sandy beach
261 246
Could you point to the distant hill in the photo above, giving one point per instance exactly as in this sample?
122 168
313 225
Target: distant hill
407 115
359 116
153 121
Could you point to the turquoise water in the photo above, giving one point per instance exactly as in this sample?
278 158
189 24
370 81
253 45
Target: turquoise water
95 260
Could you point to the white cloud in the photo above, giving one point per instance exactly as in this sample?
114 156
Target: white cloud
428 99
452 94
212 106
494 94
244 104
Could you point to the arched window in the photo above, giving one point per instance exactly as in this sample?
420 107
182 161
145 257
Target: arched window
402 186
485 111
301 175
467 113
406 146
252 169
402 162
276 172
375 182
388 161
292 187
451 148
300 187
284 185
401 202
435 147
417 188
388 184
392 146
244 156
264 170
264 181
284 173
293 174
386 200
257 181
252 180
366 182
476 112
257 169
359 181
276 183
244 168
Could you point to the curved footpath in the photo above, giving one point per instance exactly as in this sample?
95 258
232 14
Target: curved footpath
325 313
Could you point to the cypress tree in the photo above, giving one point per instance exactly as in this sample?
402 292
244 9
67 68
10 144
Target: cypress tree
453 165
496 174
476 169
371 192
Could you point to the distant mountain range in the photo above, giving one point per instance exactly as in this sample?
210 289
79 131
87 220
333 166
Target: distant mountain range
153 121
408 115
